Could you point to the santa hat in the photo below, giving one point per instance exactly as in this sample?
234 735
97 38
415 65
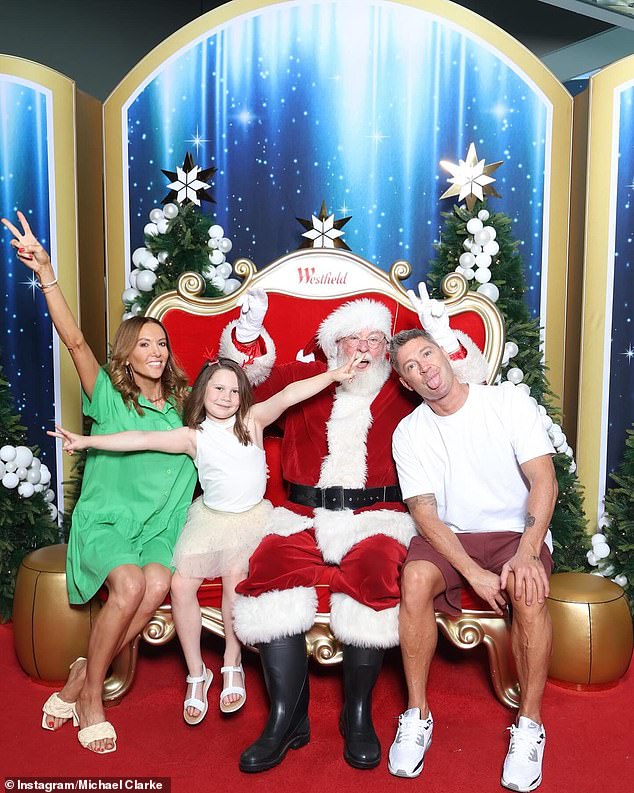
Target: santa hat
350 318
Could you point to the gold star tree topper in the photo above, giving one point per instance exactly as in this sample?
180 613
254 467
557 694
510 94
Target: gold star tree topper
471 179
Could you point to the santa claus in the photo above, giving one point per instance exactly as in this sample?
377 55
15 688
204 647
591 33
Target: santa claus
336 457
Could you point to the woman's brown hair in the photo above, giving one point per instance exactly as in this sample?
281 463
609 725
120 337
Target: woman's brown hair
194 408
173 379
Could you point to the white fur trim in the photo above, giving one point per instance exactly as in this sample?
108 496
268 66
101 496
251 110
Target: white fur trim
346 432
260 368
351 317
353 623
274 615
473 368
337 531
284 522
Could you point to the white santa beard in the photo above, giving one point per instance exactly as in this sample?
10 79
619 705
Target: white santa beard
350 419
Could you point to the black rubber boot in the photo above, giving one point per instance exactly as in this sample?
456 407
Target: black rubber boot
285 666
361 667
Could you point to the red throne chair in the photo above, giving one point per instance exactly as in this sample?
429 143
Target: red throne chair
303 288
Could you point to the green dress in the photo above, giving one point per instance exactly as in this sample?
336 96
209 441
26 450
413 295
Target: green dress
132 506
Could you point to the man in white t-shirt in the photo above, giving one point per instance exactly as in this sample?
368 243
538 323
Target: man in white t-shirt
475 469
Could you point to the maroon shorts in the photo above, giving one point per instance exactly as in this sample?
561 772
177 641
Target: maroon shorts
490 549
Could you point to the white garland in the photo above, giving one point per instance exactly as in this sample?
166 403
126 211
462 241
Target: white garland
480 248
21 469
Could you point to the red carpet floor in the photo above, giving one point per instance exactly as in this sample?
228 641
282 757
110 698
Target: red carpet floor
590 737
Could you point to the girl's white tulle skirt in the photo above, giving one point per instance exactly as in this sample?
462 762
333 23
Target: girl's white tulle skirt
216 543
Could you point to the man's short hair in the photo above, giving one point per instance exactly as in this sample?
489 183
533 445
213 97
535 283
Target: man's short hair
402 337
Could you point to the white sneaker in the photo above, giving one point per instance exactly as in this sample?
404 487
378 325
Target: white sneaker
523 764
413 739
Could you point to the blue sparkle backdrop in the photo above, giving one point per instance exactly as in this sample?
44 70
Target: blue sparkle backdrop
621 388
354 103
26 338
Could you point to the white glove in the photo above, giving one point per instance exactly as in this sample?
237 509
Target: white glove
253 305
433 317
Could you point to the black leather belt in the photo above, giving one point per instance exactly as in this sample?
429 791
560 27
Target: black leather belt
337 498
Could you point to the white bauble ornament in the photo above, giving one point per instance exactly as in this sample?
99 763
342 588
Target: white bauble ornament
601 550
511 349
483 215
162 256
515 375
139 255
146 280
569 452
36 463
572 467
592 559
621 580
533 401
170 211
525 388
547 421
482 274
218 281
562 441
476 249
606 568
132 278
507 384
225 245
474 225
469 273
3 470
604 521
489 290
460 270
156 215
231 284
150 264
53 510
209 272
216 231
136 310
130 295
26 489
21 473
126 315
492 232
224 269
557 438
482 237
467 259
150 229
213 243
38 488
597 539
49 496
45 475
10 480
162 225
33 475
467 244
23 456
216 257
7 453
483 260
10 466
492 248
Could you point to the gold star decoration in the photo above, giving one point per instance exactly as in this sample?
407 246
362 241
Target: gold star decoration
188 183
470 179
323 231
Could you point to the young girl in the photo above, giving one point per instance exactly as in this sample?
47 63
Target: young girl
224 436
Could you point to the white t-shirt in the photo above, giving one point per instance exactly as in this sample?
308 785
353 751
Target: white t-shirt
232 476
470 460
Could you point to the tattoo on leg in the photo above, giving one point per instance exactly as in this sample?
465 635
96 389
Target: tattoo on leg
530 521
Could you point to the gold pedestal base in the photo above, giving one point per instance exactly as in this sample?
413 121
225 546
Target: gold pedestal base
48 632
592 630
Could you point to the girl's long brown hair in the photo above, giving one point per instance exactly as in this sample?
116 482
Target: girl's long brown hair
173 379
194 408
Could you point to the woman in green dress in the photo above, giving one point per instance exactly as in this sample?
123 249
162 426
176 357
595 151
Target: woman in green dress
132 506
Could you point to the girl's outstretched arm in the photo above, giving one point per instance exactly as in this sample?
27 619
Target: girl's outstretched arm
265 413
178 441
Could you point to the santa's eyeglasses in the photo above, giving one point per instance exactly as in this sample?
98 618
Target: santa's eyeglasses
374 341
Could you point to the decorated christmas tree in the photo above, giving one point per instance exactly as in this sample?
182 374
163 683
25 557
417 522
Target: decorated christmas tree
27 515
613 549
479 244
179 238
